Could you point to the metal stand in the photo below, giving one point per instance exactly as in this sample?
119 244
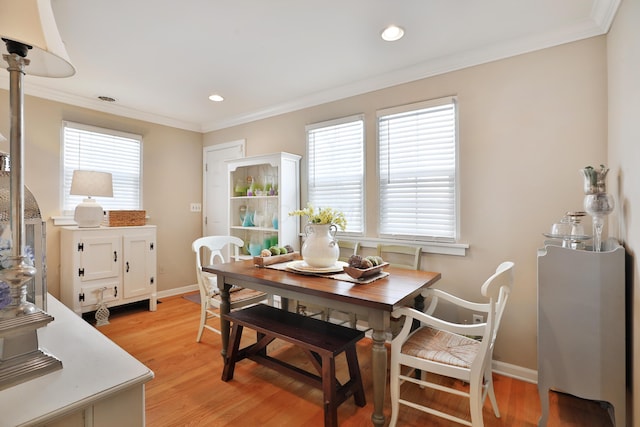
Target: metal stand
20 357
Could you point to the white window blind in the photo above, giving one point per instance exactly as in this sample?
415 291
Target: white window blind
417 166
92 148
335 155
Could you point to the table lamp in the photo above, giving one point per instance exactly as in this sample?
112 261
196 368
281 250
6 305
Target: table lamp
91 184
27 28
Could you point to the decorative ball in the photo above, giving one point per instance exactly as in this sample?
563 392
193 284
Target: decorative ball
265 252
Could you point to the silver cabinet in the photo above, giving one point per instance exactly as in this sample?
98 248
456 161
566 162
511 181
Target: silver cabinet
117 264
581 325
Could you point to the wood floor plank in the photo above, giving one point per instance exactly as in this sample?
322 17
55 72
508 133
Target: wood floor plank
187 390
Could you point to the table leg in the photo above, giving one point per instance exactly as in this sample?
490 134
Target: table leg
418 304
379 322
379 372
225 307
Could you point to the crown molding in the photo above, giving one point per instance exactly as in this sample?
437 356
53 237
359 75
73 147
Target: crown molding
97 105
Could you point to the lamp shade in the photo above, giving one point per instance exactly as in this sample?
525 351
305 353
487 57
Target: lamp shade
31 22
91 183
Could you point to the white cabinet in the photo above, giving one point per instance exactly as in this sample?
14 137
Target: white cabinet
581 325
117 263
263 190
99 385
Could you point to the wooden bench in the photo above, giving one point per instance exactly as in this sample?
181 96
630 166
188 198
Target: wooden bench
321 341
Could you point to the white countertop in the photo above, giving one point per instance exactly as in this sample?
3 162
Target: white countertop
93 367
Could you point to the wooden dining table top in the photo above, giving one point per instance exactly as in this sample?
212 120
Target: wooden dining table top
385 294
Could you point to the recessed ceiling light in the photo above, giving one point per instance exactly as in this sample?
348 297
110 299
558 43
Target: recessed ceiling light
392 33
216 98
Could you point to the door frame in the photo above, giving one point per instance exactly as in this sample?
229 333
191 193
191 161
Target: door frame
241 144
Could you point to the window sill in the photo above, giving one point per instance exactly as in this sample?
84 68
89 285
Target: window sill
456 249
63 220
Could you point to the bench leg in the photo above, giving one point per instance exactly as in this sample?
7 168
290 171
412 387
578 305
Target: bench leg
354 374
232 352
329 388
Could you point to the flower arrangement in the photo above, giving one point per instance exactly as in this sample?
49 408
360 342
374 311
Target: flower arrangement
322 216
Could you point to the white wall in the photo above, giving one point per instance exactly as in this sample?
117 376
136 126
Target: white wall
527 125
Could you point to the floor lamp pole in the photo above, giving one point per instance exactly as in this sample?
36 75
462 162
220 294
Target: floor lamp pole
19 272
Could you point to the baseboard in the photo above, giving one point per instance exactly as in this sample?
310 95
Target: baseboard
178 291
514 371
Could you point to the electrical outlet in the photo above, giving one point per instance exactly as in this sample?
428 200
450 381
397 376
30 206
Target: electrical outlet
196 207
478 318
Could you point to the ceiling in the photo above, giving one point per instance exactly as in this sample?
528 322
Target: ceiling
161 59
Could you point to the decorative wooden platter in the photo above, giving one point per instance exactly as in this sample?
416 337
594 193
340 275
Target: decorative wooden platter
358 273
262 261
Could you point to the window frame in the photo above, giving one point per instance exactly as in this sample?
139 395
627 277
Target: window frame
416 107
333 123
66 171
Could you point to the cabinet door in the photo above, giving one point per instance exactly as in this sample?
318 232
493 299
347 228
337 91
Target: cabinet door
138 264
99 257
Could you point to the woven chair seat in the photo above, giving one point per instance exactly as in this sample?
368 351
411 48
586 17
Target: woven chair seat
240 294
442 347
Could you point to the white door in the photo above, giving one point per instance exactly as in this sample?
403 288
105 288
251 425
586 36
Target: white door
216 188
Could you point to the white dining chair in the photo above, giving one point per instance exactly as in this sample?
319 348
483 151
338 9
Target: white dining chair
449 349
207 283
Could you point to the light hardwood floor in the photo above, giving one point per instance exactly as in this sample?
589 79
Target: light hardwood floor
187 390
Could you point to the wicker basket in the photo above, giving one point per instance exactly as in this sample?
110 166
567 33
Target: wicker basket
124 218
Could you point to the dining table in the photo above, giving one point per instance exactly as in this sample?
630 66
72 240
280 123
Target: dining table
374 299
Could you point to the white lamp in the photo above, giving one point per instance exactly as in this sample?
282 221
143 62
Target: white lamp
90 183
27 27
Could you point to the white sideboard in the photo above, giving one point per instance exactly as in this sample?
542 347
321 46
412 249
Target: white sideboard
581 325
115 263
99 385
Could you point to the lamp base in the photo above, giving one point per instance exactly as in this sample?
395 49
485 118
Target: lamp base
20 358
88 214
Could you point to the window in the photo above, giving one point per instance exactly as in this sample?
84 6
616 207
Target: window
335 155
417 168
103 150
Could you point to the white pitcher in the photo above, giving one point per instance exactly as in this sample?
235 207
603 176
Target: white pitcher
320 248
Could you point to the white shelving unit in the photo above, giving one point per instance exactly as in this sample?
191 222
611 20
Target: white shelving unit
275 192
581 326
